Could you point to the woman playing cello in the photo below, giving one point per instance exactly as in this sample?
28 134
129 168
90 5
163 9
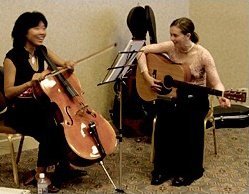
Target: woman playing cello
23 66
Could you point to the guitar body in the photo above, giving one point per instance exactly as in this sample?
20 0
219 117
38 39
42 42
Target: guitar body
159 66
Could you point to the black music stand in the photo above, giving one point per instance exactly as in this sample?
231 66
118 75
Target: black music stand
121 65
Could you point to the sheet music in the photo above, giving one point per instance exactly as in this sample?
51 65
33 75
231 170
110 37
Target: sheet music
126 57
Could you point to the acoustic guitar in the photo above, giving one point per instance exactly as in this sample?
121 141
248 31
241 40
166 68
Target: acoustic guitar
174 75
160 65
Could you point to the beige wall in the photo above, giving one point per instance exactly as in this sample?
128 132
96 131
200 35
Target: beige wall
78 28
223 27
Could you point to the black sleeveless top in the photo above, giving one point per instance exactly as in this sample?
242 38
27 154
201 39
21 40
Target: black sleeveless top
25 113
24 71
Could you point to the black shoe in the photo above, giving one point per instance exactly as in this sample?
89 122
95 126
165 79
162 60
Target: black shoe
65 173
158 179
183 180
53 189
69 171
187 179
29 178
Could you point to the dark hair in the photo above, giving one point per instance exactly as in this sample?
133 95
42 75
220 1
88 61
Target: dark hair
23 23
187 26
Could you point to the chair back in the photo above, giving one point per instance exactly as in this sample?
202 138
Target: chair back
3 106
8 132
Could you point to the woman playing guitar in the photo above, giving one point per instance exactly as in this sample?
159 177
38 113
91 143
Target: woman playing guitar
179 135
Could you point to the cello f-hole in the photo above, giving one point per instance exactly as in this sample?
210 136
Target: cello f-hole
71 120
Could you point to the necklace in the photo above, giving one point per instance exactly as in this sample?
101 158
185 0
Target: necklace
32 57
186 51
33 60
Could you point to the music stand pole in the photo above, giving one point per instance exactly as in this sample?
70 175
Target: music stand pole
120 135
117 73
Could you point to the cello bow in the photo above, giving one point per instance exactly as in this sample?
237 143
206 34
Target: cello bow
53 73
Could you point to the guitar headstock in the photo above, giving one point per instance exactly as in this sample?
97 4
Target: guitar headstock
236 95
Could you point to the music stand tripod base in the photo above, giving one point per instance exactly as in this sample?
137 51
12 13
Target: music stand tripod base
121 65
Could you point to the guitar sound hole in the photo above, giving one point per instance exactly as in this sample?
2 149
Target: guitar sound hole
164 90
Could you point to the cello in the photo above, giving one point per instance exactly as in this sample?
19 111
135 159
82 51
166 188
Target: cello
88 133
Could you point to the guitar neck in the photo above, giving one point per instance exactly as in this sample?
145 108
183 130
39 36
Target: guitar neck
197 88
232 95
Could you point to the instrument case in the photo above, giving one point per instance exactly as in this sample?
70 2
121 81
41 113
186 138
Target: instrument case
237 116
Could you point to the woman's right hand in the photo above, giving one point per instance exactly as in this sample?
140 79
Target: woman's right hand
155 84
36 77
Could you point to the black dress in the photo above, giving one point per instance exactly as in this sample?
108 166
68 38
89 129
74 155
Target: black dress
179 135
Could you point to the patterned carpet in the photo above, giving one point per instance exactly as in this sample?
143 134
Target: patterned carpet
226 173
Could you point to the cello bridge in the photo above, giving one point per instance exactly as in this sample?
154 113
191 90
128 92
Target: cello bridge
81 110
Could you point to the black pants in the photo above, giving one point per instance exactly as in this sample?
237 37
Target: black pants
179 135
30 117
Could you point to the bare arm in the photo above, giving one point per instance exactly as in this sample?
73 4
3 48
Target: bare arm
142 63
213 78
10 90
152 48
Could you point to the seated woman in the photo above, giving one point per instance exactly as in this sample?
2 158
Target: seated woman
23 67
179 134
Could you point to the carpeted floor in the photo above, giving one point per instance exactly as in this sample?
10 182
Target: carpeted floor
228 172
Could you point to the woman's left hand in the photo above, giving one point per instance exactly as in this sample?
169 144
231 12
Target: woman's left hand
224 102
